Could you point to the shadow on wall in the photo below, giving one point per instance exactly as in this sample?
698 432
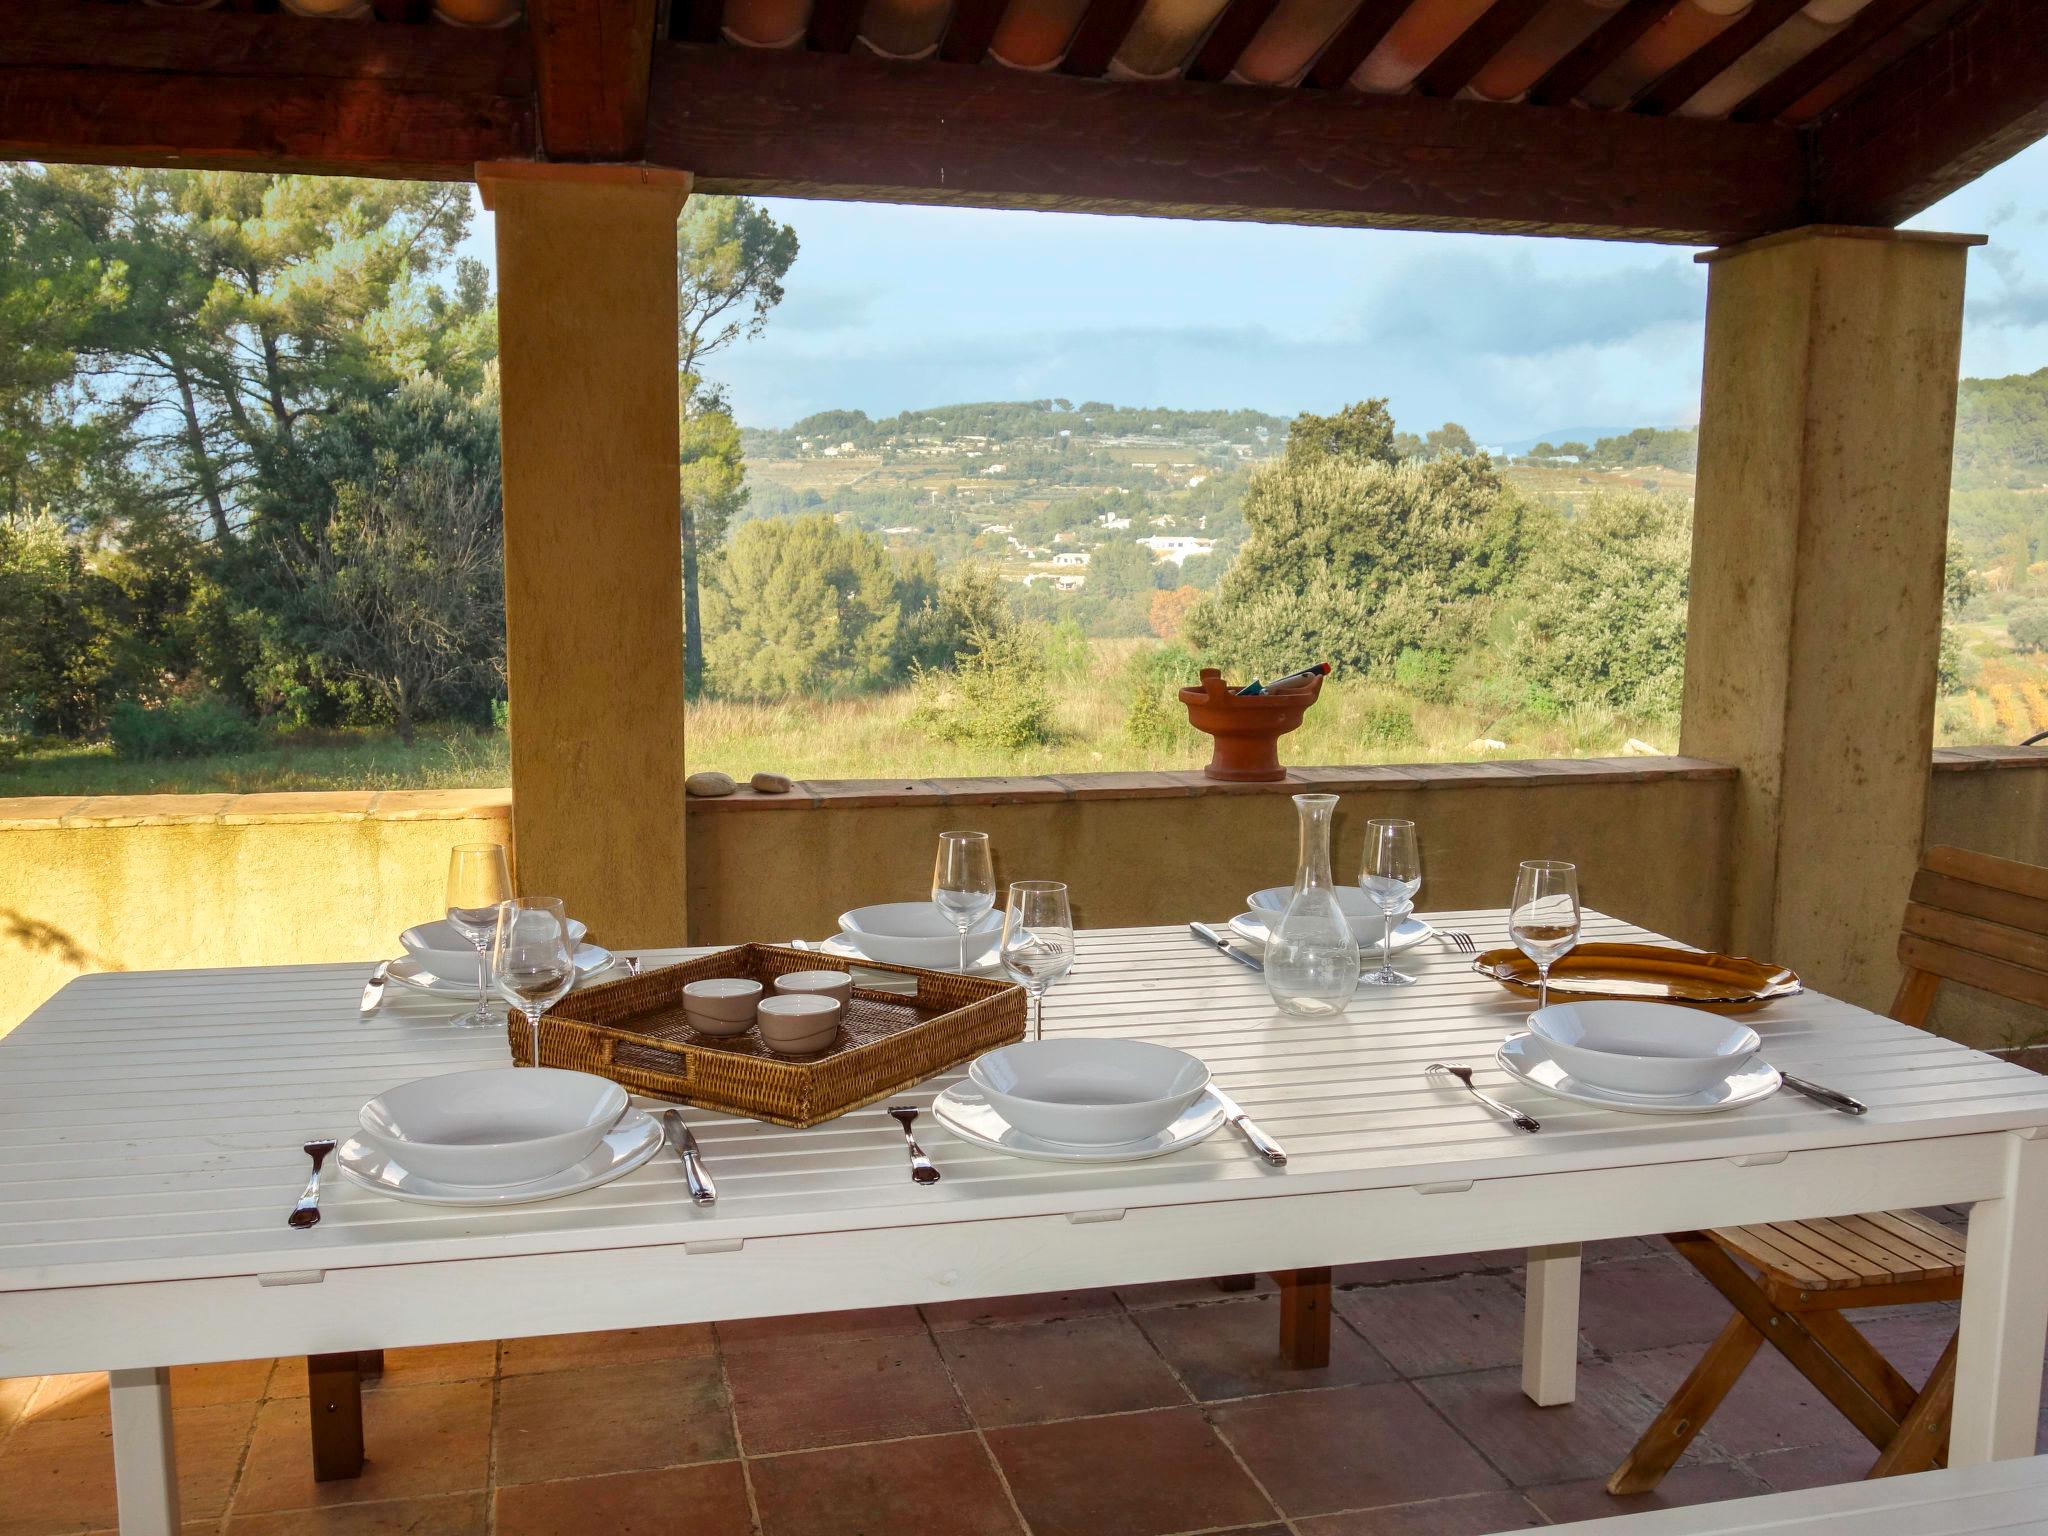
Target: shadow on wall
24 932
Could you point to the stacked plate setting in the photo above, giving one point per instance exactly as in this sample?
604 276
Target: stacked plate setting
502 1136
1082 1101
1367 924
1646 1058
440 961
916 933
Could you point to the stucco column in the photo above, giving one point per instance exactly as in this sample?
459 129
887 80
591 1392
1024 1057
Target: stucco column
1826 422
593 539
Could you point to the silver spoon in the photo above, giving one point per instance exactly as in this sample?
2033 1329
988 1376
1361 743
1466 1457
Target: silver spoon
1463 1074
307 1212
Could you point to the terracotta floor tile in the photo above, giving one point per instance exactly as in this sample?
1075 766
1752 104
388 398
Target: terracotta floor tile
1354 1448
1234 1351
860 1322
1057 1371
1181 1293
1466 1514
1053 1306
418 1441
1771 1408
57 1475
611 1418
81 1396
1470 1323
707 1500
210 1442
797 1393
1139 1474
625 1346
456 1514
1590 1500
941 1485
1811 1466
232 1381
1434 1267
1634 1304
1584 1438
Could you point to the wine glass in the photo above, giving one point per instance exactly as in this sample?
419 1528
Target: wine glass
963 882
532 960
478 881
1544 921
1038 941
1390 875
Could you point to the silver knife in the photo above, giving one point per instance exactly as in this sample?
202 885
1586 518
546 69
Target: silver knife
1263 1144
1209 935
373 991
1827 1096
702 1190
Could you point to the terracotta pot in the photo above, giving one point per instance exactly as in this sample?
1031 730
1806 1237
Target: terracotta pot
1247 730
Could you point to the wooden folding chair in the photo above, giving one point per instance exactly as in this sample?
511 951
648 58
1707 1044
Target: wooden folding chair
1972 919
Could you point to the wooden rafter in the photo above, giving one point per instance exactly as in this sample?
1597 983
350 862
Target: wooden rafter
1713 58
393 10
1561 83
590 61
1349 45
1228 38
1477 46
833 26
1870 26
233 90
1103 28
697 21
1972 96
803 124
970 29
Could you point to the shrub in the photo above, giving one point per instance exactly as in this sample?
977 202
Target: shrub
501 716
2028 626
1156 720
1424 673
994 696
199 727
1387 725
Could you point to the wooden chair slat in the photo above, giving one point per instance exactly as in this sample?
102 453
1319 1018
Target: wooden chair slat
1998 941
1830 1243
1912 1227
1928 1256
1893 1260
1971 969
1987 869
1775 1250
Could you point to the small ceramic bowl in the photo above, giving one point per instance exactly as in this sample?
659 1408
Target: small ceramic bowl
722 1006
798 1023
837 985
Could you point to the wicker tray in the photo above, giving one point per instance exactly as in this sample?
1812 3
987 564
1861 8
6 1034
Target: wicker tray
1646 973
634 1033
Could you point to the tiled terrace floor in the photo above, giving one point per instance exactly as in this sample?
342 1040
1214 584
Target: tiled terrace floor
1141 1412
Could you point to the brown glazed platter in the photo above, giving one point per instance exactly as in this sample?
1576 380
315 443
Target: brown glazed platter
1652 973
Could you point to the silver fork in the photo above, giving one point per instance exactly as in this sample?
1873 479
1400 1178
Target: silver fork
1463 1074
1462 942
921 1169
307 1212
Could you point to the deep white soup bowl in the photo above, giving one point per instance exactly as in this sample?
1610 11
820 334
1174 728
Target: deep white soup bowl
446 955
1360 911
1653 1048
502 1125
1089 1093
916 933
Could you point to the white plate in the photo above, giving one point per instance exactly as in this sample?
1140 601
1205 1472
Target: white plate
964 1112
1089 1092
838 944
1407 934
405 971
636 1138
494 1126
1527 1059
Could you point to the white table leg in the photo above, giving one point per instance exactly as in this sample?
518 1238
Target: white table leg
2005 1314
1550 1326
145 1459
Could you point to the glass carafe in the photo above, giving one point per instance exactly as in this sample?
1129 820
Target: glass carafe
1312 958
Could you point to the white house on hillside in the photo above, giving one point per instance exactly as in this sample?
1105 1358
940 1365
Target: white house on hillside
1178 548
1071 557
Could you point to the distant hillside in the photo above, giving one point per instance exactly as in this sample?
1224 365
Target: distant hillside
2002 432
999 422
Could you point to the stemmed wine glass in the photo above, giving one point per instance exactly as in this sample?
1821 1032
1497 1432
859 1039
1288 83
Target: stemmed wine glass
478 881
1391 874
532 960
1544 921
1038 941
963 882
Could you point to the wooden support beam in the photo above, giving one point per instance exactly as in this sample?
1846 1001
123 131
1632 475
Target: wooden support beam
811 125
1477 46
1349 45
1228 39
1712 59
590 60
1560 84
1974 95
833 25
970 29
1870 26
697 21
228 90
1104 26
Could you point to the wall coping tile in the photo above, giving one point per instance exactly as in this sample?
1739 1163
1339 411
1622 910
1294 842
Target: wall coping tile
301 805
1977 759
148 810
35 812
440 804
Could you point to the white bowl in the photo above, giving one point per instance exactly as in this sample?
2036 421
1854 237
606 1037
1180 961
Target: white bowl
1652 1048
837 985
916 933
503 1125
798 1023
1089 1093
724 1005
1359 910
446 955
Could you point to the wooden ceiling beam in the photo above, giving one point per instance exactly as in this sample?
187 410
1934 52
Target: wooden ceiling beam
1869 27
1715 57
1228 39
1101 32
231 90
1560 84
970 29
1351 43
1972 96
833 26
1477 46
590 63
697 21
799 124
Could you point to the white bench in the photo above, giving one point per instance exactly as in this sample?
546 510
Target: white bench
2005 1496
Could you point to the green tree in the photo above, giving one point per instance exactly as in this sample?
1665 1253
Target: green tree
1360 433
2028 626
1121 569
943 613
1959 585
799 606
1447 439
994 696
714 492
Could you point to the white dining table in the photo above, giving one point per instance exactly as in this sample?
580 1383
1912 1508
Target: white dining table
151 1125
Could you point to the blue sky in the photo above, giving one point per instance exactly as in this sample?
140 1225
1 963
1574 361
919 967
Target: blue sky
891 308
